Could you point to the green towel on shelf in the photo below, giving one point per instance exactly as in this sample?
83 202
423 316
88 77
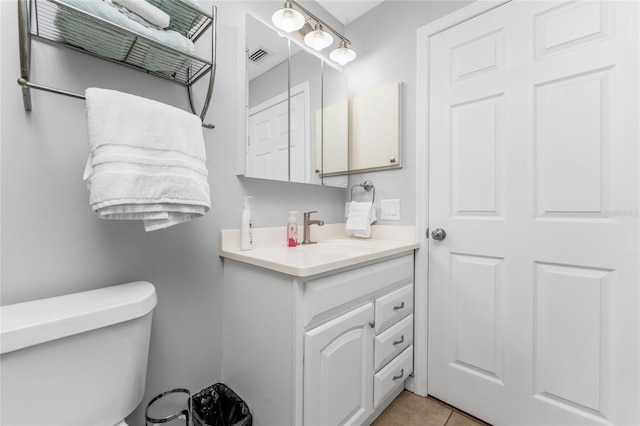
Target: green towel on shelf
84 33
156 59
101 40
182 19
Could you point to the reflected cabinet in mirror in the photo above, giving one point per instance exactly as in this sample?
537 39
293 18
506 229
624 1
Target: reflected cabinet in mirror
301 124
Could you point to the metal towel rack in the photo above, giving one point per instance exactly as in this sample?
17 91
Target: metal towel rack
367 185
36 19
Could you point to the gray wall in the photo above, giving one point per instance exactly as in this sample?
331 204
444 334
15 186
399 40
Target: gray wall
52 244
385 42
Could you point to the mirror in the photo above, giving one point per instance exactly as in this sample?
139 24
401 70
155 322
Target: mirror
267 145
301 124
333 160
286 138
305 100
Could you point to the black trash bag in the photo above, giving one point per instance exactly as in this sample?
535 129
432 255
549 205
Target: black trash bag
218 405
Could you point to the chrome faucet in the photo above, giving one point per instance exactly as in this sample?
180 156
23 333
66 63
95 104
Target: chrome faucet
307 231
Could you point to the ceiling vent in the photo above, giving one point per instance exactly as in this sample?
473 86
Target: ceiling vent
258 55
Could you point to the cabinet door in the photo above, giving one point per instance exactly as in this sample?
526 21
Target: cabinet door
338 370
375 129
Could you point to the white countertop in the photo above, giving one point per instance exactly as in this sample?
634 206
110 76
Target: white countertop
333 251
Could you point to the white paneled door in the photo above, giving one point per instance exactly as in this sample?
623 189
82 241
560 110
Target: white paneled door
533 174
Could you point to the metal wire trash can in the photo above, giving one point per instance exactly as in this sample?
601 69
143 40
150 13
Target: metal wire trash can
184 413
218 405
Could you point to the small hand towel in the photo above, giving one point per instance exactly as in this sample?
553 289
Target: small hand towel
146 160
359 219
146 11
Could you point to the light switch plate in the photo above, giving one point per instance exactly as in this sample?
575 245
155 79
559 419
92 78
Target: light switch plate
390 210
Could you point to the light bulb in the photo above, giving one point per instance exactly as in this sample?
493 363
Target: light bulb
288 19
318 38
342 54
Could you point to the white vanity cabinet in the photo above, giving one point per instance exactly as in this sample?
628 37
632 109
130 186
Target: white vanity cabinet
328 349
338 359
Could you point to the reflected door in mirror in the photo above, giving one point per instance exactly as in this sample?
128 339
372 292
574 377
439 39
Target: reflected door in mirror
268 144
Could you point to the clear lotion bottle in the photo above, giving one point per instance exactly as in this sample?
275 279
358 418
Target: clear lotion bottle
246 239
292 230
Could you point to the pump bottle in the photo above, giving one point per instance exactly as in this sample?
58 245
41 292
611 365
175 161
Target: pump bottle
246 239
292 230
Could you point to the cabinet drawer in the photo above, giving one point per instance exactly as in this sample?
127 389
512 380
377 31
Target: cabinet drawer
394 374
329 293
393 306
393 341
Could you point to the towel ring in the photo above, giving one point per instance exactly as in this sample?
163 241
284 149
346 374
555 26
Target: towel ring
367 185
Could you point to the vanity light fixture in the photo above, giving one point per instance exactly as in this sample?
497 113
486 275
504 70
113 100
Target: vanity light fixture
306 29
342 54
318 38
290 19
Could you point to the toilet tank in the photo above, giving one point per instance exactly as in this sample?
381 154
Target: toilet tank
79 359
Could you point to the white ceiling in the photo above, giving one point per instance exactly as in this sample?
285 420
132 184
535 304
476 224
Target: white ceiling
348 10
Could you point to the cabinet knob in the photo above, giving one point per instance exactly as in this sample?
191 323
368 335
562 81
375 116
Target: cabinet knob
400 306
400 376
392 160
372 324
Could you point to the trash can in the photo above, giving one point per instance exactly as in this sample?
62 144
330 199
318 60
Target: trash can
171 405
217 405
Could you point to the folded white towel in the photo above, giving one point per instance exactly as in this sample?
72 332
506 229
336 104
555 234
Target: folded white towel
146 11
359 219
146 160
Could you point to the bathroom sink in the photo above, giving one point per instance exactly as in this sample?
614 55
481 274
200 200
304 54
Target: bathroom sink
347 242
332 251
323 252
336 249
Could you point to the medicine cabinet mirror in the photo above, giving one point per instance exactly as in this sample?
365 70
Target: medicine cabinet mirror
301 125
285 86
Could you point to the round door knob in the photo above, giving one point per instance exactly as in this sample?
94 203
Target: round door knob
438 234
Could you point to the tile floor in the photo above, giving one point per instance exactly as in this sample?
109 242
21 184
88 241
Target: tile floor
409 409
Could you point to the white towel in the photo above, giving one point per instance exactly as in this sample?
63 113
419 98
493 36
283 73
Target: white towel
359 219
146 11
146 160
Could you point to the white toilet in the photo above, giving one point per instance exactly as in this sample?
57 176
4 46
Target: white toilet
79 359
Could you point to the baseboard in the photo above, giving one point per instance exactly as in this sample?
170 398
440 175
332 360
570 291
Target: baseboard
410 385
383 405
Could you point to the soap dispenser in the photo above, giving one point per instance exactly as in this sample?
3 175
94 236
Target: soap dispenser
246 239
292 230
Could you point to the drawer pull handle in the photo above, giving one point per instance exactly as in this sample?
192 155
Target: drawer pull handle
397 342
400 306
400 376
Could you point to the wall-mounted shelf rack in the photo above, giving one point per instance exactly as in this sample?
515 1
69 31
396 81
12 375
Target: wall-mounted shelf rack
61 23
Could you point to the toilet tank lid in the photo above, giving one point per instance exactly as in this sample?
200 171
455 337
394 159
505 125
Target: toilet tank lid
39 321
